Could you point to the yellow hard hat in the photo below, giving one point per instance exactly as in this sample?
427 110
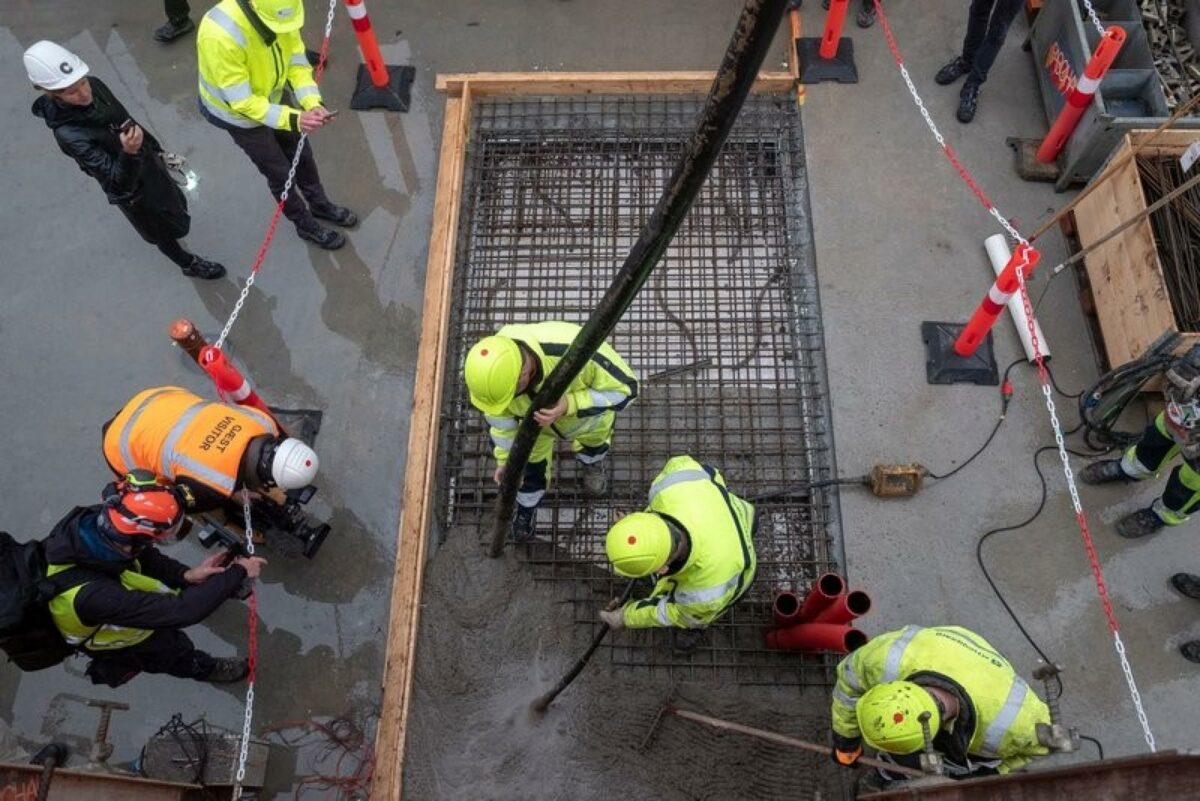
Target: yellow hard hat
492 370
281 16
889 717
638 544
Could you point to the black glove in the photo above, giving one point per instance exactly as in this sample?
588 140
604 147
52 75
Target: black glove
845 751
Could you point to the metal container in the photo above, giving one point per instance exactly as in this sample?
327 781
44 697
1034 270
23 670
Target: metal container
1062 39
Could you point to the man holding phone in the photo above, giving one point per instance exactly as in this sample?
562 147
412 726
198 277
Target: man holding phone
92 127
249 52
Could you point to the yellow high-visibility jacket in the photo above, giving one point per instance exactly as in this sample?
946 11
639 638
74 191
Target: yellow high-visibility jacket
242 77
605 384
722 562
1004 709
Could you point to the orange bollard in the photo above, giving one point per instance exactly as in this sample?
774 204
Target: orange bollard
1024 258
231 386
379 85
1081 94
830 57
833 28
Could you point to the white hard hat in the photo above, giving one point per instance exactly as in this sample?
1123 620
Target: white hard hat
52 66
294 466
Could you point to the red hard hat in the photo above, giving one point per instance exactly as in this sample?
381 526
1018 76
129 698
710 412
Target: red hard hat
137 507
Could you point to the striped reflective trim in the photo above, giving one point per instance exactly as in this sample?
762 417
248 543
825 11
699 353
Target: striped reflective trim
843 699
1133 467
891 666
676 478
236 120
299 60
530 498
582 426
227 24
994 736
274 115
356 10
127 431
606 397
591 458
169 457
232 94
707 594
267 421
851 678
207 474
307 91
660 612
1087 85
502 423
502 442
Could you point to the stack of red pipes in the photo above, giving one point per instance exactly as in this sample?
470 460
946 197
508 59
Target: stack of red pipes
823 621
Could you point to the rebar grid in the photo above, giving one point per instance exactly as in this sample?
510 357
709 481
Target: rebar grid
725 336
1176 228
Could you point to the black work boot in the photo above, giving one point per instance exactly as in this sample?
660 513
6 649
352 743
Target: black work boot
524 523
228 670
952 71
321 236
968 102
172 29
1191 651
203 268
1187 584
866 14
1104 471
595 478
1141 523
338 215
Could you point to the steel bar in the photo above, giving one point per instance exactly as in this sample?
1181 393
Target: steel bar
1176 227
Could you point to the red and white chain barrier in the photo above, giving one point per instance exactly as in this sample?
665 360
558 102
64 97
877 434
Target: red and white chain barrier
1043 375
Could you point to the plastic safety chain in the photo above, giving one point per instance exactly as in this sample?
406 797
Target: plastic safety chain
1043 374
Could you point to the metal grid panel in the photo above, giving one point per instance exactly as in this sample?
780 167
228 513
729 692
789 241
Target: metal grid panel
725 336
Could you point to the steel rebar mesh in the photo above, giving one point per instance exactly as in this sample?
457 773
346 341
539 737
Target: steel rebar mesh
725 336
1176 228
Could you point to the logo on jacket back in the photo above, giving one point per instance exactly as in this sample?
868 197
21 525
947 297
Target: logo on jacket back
66 68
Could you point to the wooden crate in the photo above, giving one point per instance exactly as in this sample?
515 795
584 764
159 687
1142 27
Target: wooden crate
1125 272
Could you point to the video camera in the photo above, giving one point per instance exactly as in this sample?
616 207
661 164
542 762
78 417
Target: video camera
290 518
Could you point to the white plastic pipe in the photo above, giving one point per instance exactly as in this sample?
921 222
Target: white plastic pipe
999 254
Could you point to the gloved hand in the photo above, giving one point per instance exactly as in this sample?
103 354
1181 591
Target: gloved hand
845 751
615 618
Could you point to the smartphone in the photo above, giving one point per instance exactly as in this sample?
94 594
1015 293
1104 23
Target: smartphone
123 127
332 113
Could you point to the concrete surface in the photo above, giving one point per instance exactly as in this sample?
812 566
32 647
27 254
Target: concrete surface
86 304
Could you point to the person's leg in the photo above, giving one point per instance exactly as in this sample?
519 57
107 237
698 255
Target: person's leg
985 52
978 16
176 10
175 251
591 444
309 182
167 651
263 148
1180 497
534 480
866 14
179 21
1154 450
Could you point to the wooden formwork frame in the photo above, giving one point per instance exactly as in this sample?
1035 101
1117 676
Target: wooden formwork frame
424 425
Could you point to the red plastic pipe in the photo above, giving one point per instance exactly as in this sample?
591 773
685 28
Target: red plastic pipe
836 638
845 608
786 608
833 28
1081 94
827 588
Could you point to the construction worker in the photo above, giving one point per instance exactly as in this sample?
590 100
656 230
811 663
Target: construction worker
127 603
988 22
92 127
983 717
1174 432
209 450
249 51
503 373
697 538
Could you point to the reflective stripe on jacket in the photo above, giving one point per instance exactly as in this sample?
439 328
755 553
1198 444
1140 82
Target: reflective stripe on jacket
1007 710
722 561
178 434
242 77
605 384
104 637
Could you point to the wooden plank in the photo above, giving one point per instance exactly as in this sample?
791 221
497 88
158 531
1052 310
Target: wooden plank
422 457
574 83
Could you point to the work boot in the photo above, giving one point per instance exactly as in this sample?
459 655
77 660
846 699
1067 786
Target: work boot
338 215
321 236
954 69
866 14
172 29
968 102
314 57
228 670
203 268
1187 584
1141 523
523 523
1104 471
1191 651
595 478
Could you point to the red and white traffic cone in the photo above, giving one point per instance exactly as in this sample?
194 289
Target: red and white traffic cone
379 85
1081 94
1024 258
231 385
831 57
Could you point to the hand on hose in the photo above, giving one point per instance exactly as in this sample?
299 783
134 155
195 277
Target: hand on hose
211 566
615 618
545 417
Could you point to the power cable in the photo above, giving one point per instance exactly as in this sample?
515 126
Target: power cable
1095 742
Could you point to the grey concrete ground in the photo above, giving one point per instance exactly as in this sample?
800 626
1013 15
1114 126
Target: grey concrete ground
86 305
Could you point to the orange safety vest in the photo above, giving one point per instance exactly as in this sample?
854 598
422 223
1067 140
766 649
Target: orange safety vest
180 435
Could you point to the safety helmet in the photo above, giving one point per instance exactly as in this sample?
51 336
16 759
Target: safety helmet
294 464
889 717
281 16
140 505
492 371
638 544
52 66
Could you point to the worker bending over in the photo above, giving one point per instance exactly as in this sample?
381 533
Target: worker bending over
983 717
504 372
698 539
124 603
209 449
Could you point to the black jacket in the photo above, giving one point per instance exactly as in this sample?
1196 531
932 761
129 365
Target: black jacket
105 599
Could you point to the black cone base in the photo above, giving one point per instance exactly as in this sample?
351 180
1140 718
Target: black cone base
814 69
396 96
944 366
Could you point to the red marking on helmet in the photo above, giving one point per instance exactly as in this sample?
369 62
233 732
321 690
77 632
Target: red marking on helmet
483 352
632 539
898 717
308 462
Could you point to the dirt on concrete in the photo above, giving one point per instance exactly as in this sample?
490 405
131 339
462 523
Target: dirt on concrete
491 640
